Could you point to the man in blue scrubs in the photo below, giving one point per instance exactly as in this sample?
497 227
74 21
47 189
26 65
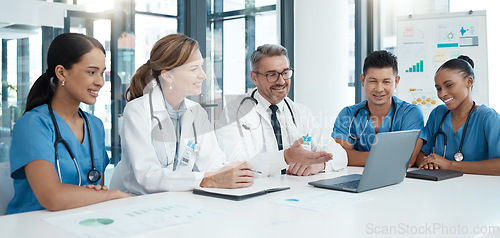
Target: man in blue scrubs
356 125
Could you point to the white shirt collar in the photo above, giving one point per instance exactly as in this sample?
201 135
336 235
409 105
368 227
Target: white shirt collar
262 101
173 113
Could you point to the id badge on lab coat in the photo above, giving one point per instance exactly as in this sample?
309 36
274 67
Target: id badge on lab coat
307 142
190 150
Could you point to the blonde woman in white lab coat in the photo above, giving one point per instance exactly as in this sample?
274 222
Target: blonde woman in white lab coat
168 143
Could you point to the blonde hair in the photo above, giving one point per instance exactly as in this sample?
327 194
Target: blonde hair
168 53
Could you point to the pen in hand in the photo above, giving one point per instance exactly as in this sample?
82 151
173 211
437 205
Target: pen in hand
255 171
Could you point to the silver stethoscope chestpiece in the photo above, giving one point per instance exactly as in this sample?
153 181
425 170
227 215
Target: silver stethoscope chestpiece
458 156
94 175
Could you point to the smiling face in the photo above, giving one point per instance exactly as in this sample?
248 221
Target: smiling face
187 79
84 80
379 85
273 92
452 88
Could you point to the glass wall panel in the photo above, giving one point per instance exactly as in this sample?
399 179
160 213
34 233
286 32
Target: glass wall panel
260 3
235 30
265 28
21 66
231 5
96 5
234 57
157 6
148 30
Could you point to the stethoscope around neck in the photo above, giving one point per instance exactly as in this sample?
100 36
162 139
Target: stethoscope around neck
365 107
94 175
160 126
252 98
458 156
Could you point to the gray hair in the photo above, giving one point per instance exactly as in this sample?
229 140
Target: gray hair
266 50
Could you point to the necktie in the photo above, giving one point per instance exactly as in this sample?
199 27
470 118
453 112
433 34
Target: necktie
277 129
276 126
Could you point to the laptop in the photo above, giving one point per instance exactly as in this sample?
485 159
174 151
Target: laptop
387 163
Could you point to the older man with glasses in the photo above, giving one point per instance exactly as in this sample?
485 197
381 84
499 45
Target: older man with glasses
269 130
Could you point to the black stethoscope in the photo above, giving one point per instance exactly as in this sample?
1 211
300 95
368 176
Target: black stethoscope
252 98
160 126
94 175
368 118
458 156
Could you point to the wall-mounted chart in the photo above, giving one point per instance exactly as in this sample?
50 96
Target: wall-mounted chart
416 68
425 42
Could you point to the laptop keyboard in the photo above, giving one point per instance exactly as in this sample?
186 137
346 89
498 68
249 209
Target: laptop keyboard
351 184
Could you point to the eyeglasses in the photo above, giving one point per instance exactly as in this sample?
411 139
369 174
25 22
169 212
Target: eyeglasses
274 76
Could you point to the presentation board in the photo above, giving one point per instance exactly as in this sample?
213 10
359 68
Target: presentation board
425 42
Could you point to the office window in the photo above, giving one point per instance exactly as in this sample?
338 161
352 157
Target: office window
153 20
168 7
351 94
266 35
22 58
233 56
236 28
95 5
261 3
21 66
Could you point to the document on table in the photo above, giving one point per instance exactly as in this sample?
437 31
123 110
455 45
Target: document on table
129 220
322 200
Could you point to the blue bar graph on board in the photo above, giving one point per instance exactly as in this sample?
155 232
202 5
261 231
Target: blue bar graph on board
446 45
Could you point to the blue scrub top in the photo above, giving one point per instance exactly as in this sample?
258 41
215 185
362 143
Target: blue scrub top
481 142
407 117
33 139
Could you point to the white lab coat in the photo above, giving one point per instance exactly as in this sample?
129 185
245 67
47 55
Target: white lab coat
258 145
148 152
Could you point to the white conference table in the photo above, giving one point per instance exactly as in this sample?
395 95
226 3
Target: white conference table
413 208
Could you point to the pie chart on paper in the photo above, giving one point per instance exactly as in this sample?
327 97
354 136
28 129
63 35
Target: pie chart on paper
95 222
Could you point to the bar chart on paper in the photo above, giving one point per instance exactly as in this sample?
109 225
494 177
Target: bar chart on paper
418 67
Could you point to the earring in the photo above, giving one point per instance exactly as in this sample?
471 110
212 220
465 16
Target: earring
170 87
63 83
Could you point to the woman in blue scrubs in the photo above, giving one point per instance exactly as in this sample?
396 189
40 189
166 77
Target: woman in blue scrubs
460 135
53 127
